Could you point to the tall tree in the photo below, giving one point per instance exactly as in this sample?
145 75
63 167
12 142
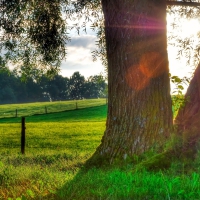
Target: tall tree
139 103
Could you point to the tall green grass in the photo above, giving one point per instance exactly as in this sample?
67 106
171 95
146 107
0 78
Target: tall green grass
117 184
57 145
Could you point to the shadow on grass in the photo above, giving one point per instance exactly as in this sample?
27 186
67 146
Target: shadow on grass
122 183
89 182
92 182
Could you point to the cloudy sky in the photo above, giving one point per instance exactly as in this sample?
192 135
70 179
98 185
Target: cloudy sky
79 57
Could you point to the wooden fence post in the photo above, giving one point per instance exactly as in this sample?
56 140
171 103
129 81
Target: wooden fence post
23 136
16 113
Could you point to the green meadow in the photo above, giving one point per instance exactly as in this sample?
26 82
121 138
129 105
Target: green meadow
57 147
28 109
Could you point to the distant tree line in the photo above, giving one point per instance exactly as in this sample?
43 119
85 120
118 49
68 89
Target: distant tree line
14 90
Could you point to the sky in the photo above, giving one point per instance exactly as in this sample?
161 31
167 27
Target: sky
189 28
79 53
79 57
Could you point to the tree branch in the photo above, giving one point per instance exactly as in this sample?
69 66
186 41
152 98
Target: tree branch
181 3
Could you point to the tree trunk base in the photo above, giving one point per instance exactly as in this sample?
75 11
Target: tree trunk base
182 152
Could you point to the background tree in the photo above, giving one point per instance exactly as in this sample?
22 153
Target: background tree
14 90
7 94
76 86
95 87
55 89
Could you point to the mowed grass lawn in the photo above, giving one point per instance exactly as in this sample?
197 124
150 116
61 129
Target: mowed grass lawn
57 146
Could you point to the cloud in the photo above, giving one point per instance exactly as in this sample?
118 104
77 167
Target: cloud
79 57
89 69
85 41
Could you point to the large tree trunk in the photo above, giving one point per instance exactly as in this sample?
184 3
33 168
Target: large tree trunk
188 118
139 102
189 114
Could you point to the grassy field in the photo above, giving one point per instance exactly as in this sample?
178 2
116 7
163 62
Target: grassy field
57 146
28 109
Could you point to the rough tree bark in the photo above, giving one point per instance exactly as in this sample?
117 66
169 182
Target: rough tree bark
188 118
139 102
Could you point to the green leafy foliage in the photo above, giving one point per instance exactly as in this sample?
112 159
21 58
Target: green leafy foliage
178 98
34 34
